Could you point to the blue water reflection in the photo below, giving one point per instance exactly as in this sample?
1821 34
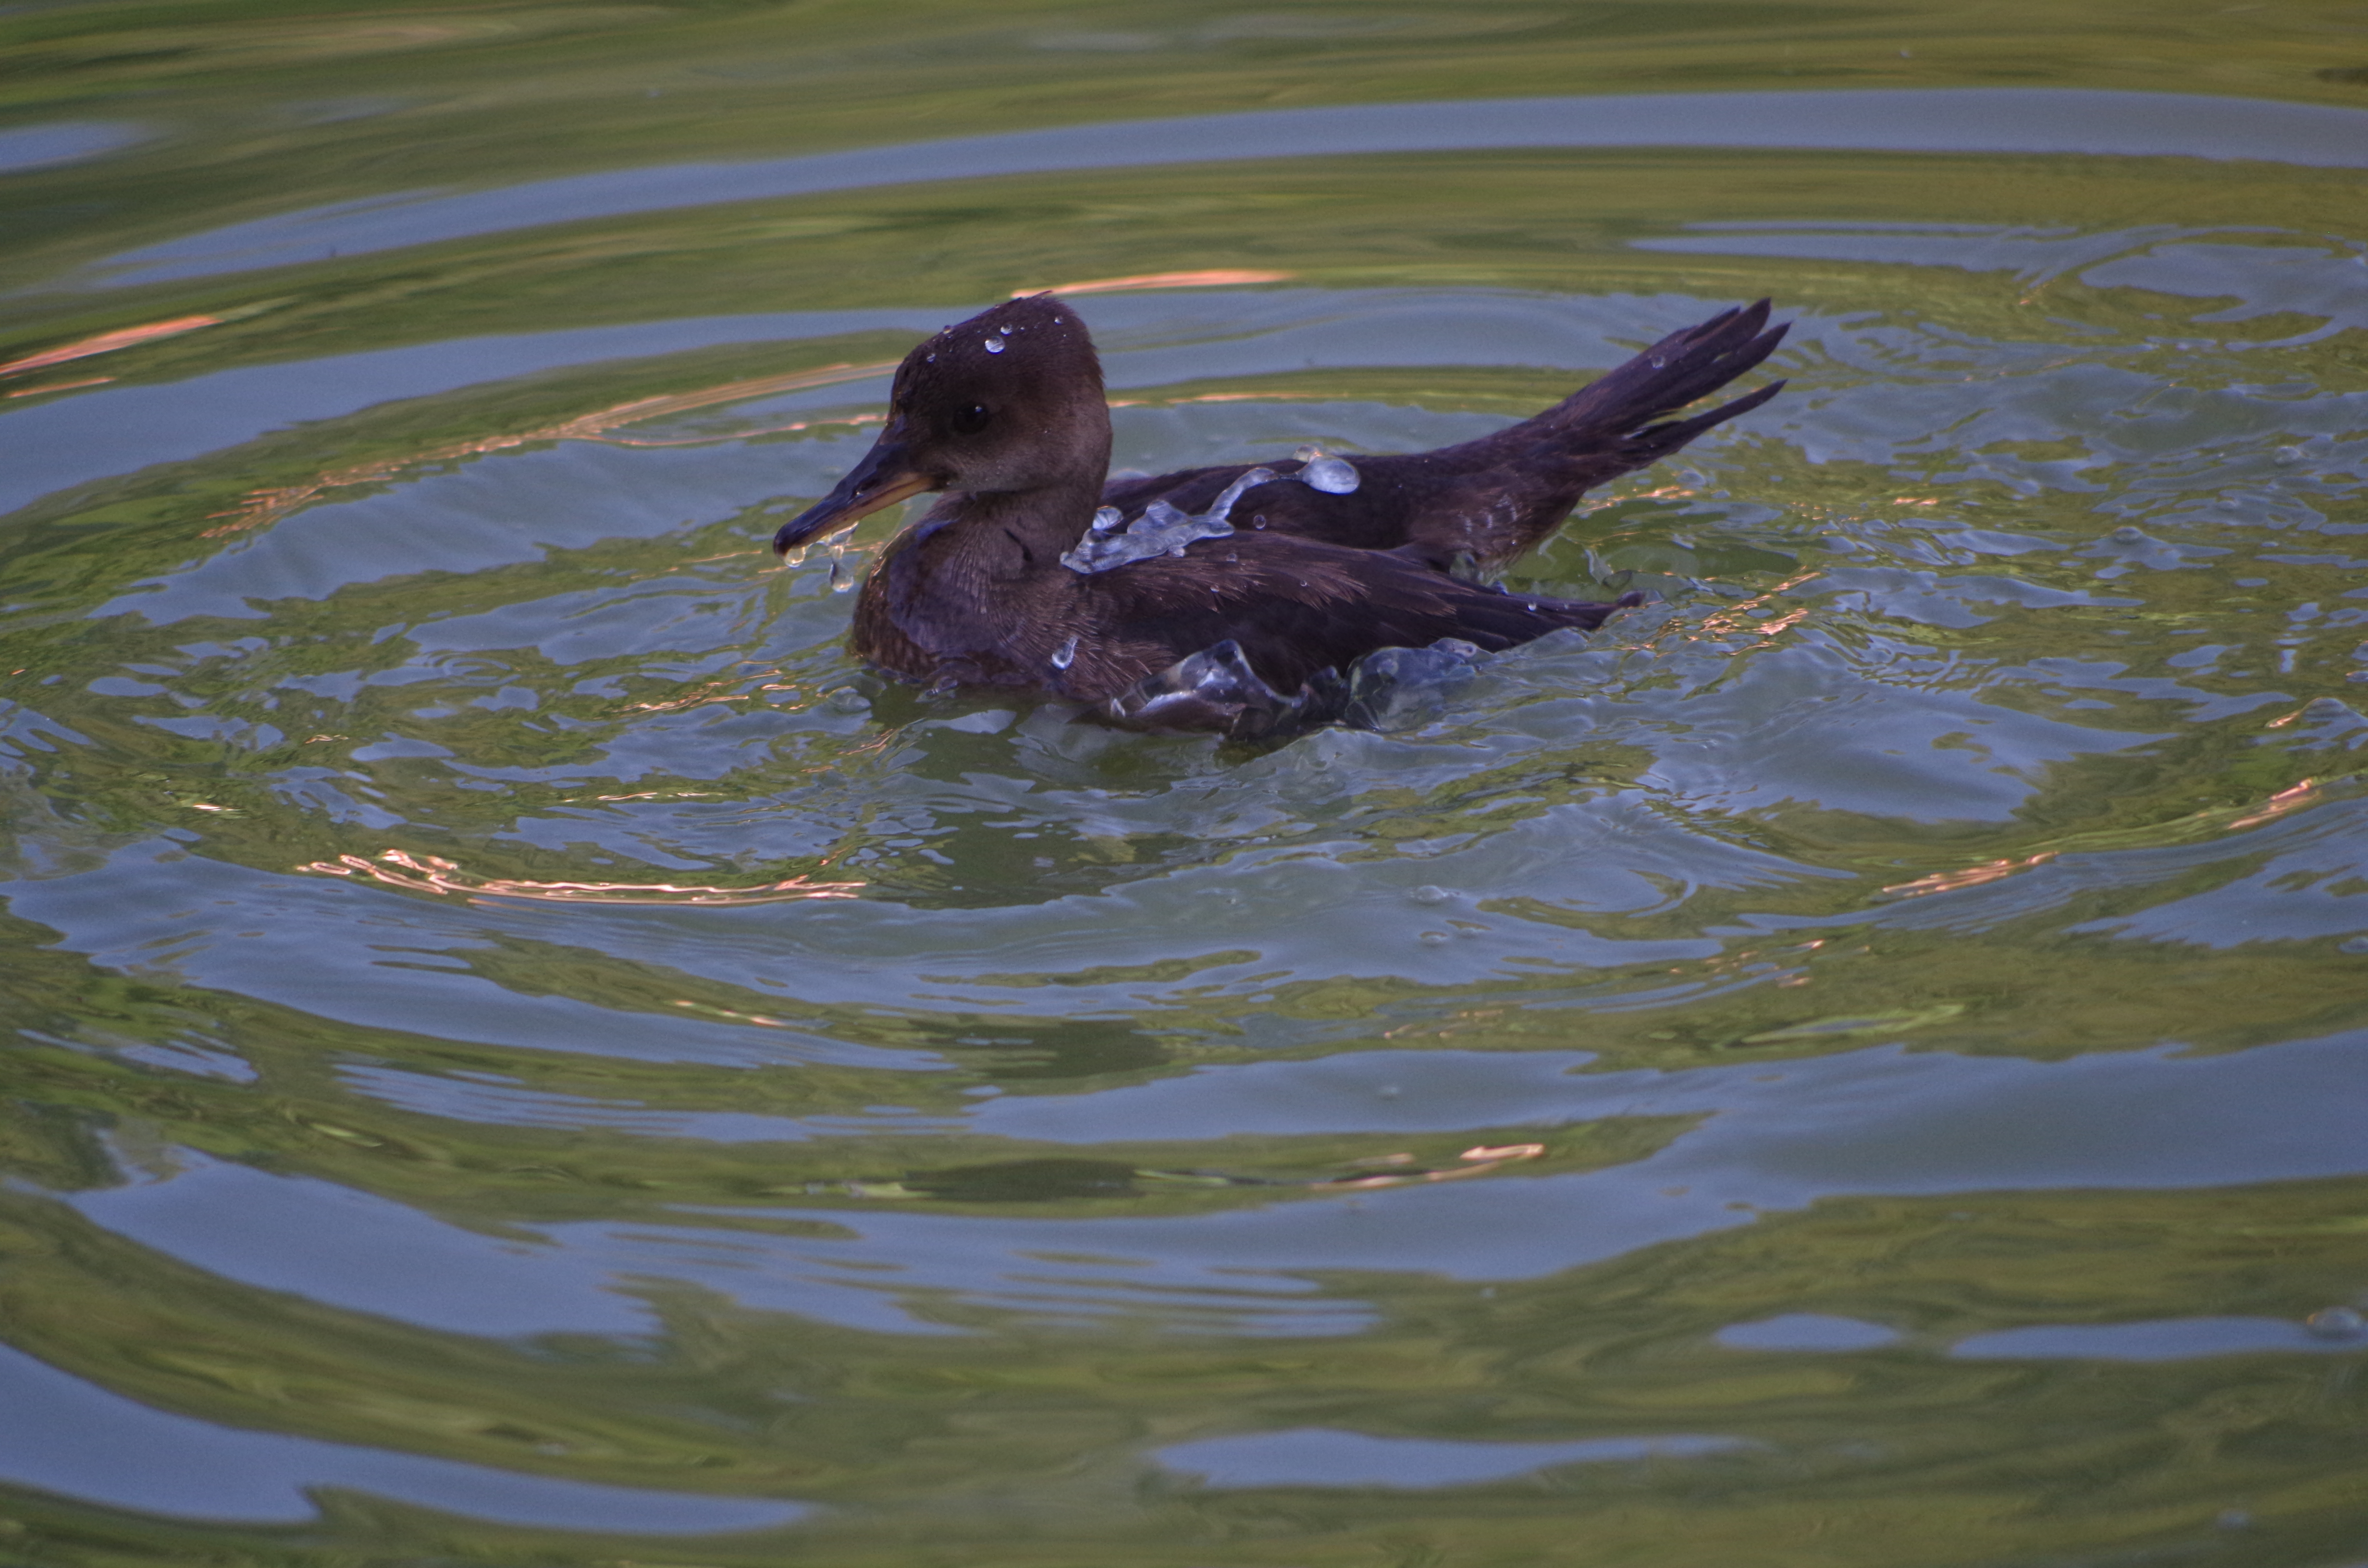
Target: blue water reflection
64 1435
1755 1141
1315 1457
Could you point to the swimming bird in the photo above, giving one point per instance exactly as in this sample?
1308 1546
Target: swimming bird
1226 598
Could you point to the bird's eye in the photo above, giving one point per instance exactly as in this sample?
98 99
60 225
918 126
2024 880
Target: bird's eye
972 420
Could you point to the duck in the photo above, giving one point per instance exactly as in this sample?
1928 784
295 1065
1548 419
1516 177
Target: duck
1231 598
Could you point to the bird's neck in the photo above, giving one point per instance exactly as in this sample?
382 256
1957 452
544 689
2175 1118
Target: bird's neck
1007 533
981 570
1018 531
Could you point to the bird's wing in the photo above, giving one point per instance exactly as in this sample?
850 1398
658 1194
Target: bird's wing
1297 606
1494 497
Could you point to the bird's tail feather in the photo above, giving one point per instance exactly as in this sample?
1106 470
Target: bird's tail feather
1690 363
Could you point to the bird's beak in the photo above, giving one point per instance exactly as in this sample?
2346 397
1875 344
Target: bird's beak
885 476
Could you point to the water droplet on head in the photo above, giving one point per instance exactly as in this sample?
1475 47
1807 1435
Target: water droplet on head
995 346
932 360
1660 361
1004 330
1067 654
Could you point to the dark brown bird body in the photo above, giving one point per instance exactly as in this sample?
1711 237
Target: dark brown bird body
1005 410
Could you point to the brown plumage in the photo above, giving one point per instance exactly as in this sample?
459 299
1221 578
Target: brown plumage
1005 410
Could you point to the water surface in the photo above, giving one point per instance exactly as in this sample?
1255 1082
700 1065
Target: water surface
522 1051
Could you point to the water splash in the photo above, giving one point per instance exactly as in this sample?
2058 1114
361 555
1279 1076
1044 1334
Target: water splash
1321 470
1162 529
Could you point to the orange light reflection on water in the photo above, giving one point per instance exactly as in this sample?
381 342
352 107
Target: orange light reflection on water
2278 804
107 343
433 873
1735 619
59 386
1970 877
1220 278
1211 397
1479 1161
2292 798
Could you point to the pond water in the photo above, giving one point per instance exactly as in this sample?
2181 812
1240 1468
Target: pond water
520 1050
